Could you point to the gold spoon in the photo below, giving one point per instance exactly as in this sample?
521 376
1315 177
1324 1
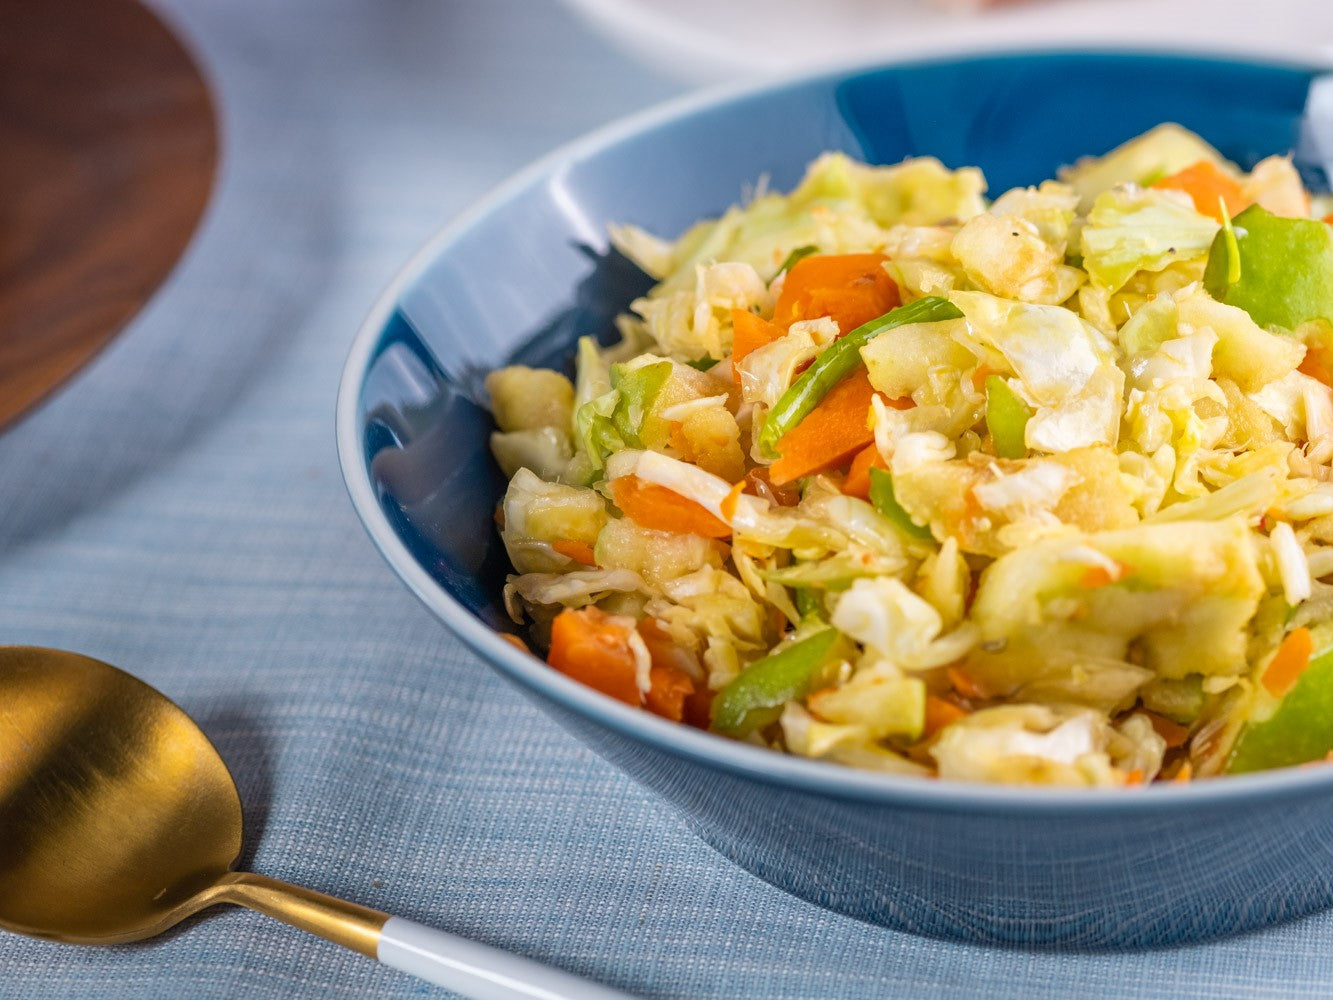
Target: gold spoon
118 819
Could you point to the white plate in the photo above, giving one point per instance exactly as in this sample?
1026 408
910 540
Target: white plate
706 41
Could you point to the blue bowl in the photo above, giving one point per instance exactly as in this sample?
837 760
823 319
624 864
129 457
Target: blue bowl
530 269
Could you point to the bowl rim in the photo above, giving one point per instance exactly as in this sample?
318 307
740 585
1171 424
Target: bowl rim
810 776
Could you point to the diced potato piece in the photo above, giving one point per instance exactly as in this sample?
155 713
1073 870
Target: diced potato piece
657 556
568 513
683 385
1007 256
525 398
538 514
1245 353
886 702
948 495
1099 500
715 439
900 360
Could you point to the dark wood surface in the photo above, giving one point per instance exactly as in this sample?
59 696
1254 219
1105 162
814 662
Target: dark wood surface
108 146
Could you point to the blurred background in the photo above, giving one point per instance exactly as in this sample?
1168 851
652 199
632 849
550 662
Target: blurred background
701 41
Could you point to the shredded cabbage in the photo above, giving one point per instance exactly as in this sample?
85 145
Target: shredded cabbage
1055 541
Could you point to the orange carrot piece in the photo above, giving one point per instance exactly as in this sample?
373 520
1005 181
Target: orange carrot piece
1173 732
665 651
857 483
963 684
983 372
830 434
578 551
852 288
729 502
669 691
671 688
748 333
1318 363
515 641
1099 576
940 712
1206 184
1184 773
1329 218
1289 662
594 650
651 506
1134 777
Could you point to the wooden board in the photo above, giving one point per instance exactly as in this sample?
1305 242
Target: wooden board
108 147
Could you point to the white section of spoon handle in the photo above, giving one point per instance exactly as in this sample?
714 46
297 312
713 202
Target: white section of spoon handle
477 970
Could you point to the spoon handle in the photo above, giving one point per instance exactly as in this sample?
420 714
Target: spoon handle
477 970
474 970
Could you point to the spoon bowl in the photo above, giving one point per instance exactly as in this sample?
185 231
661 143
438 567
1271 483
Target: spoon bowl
116 812
118 819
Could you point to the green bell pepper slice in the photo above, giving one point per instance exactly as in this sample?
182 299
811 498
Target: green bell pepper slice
1007 418
882 498
756 696
839 360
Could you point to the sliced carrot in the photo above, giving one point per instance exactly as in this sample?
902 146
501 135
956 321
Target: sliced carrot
1183 773
729 502
851 288
1134 777
578 551
1173 732
1329 218
1289 662
1318 363
749 333
1099 576
941 712
665 651
593 649
670 690
964 684
651 506
1207 185
857 483
515 641
1094 577
830 434
982 373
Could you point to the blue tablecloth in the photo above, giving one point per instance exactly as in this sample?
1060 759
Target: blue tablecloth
177 510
